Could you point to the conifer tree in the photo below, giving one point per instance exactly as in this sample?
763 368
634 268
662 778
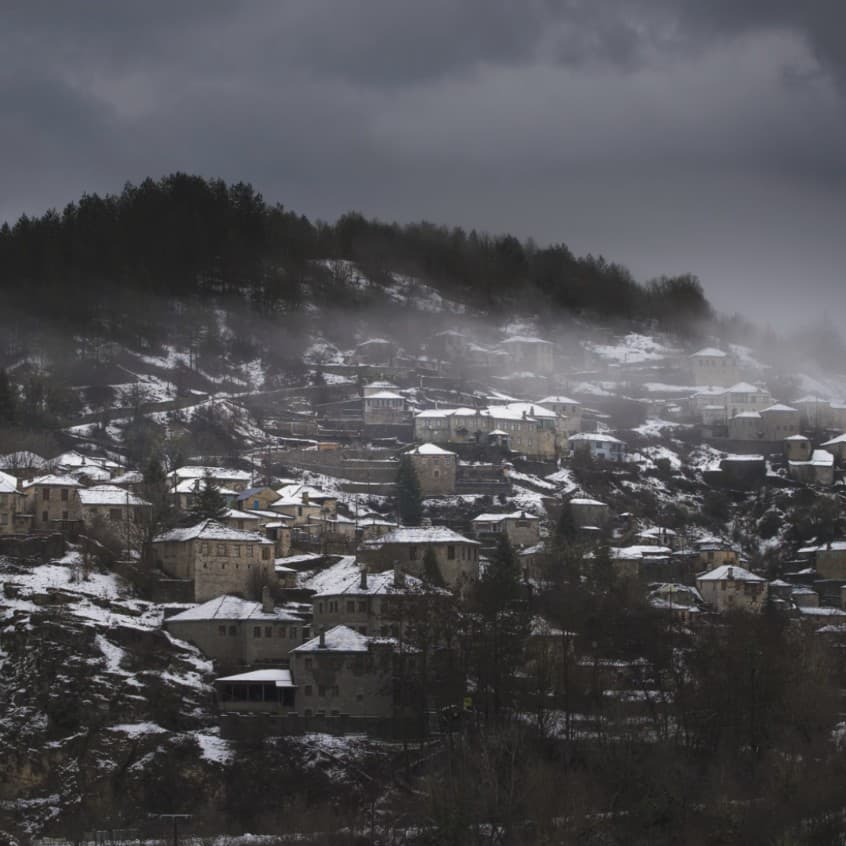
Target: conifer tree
409 497
208 500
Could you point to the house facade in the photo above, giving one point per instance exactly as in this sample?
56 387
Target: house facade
51 500
457 557
520 528
731 588
601 446
217 559
435 468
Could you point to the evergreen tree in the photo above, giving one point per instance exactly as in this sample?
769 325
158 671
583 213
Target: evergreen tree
500 584
8 398
431 570
208 501
409 497
156 491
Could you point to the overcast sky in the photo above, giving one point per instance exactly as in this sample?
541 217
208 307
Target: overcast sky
671 135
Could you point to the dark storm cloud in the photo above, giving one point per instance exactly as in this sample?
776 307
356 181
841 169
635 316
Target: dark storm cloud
674 135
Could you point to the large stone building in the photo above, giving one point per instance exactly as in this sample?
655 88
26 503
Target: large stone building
375 604
435 468
11 505
457 557
522 427
385 408
520 528
533 355
598 445
216 559
51 500
778 422
342 671
731 588
236 632
711 366
569 409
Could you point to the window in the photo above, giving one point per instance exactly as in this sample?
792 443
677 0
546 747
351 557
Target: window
45 493
299 511
362 605
350 605
250 551
451 552
233 630
221 549
236 548
308 691
319 607
308 663
280 632
265 553
256 631
64 515
204 549
221 630
268 631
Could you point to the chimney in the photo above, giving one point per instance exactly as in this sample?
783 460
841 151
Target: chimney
363 581
267 604
305 497
399 575
323 637
731 572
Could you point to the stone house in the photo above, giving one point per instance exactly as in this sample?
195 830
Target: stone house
817 470
530 354
598 445
712 366
779 421
731 588
520 528
373 526
658 536
345 672
588 512
11 505
385 408
236 632
798 448
186 492
712 552
646 562
87 468
837 447
569 409
746 426
522 427
112 503
256 499
829 559
217 559
51 499
744 396
816 412
372 388
435 468
273 526
375 604
225 477
301 502
406 547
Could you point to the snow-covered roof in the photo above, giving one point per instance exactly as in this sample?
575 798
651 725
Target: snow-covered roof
809 399
8 483
595 436
380 385
584 500
729 572
384 395
51 480
194 471
747 415
419 534
742 457
498 518
131 477
559 401
210 530
73 458
236 514
429 449
709 352
840 439
656 532
336 639
233 608
193 485
109 495
250 492
517 410
744 388
779 406
803 438
280 678
293 495
377 584
639 551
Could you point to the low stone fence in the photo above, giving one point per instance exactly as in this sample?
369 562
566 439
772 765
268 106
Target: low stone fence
42 548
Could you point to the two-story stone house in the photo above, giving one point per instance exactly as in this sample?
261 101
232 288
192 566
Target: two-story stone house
731 588
52 500
217 559
520 528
